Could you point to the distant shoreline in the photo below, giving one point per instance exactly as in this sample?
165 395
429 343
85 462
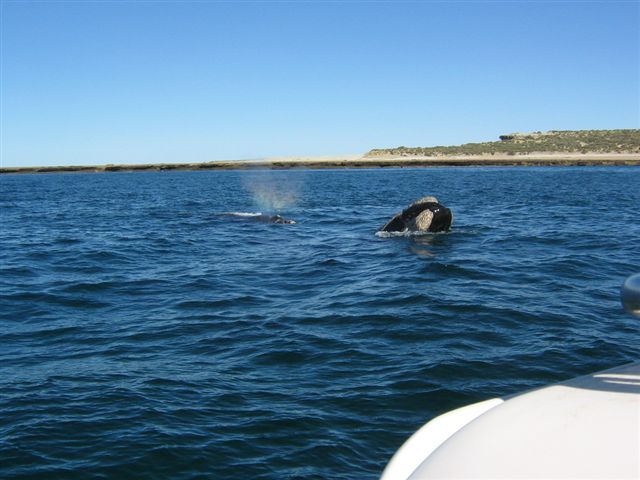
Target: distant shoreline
380 161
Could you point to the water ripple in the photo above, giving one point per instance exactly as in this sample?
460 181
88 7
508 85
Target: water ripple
146 337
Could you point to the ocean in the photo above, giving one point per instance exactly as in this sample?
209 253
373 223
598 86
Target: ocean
145 333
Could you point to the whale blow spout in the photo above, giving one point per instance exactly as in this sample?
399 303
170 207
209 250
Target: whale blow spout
424 215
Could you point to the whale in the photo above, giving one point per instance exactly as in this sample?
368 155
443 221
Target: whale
259 217
424 215
274 219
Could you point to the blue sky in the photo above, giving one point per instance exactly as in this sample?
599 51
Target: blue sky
101 82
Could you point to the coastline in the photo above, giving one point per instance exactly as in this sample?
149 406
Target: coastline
357 161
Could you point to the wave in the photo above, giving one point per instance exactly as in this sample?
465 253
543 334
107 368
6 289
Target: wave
407 233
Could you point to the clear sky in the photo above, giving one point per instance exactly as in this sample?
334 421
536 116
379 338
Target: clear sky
96 82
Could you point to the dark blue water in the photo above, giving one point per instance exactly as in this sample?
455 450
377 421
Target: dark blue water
143 336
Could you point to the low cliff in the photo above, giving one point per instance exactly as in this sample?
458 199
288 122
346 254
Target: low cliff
555 141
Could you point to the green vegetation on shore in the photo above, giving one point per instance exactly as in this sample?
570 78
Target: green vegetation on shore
560 148
555 141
